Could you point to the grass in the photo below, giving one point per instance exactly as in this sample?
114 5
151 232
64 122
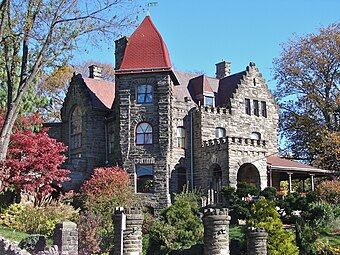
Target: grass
236 232
11 234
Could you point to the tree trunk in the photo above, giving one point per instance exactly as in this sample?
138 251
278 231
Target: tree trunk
6 130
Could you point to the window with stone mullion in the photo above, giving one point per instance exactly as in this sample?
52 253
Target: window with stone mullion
144 94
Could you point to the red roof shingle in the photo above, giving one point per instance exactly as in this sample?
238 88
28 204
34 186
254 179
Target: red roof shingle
102 92
146 49
281 162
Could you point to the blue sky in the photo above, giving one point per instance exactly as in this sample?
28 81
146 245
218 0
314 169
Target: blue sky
201 33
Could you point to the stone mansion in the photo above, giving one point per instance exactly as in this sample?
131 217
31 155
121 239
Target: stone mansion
169 129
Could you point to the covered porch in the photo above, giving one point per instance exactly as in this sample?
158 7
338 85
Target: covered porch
280 169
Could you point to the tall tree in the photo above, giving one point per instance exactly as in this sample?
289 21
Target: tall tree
36 35
308 76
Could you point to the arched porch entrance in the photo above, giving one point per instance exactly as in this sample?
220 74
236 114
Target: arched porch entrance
248 173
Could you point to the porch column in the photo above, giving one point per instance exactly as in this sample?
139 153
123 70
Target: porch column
290 182
303 185
269 171
312 181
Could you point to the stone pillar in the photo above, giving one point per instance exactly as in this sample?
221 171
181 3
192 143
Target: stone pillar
216 231
128 231
66 238
257 241
290 182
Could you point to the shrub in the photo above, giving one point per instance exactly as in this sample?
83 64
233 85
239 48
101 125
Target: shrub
33 243
113 185
269 193
239 209
329 191
264 215
179 226
88 232
243 189
37 220
318 218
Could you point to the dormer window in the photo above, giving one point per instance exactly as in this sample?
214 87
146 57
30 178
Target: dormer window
144 94
208 101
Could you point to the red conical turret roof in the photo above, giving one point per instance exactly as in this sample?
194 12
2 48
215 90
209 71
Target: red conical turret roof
146 49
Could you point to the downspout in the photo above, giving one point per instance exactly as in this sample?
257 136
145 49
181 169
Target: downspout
106 141
191 151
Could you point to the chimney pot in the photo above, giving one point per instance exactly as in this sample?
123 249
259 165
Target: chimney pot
223 69
95 72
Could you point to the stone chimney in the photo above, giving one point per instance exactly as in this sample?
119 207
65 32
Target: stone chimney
222 69
95 72
120 46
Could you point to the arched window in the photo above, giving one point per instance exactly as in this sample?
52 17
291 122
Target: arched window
255 136
144 133
220 132
76 128
181 137
144 94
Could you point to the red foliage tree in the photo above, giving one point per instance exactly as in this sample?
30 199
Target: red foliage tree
33 161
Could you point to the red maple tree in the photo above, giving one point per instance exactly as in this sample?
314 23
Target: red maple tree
33 162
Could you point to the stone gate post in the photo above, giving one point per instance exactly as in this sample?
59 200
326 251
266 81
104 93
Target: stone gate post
257 241
216 231
66 238
128 231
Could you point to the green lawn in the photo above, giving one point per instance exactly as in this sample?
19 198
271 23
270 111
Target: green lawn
236 232
11 234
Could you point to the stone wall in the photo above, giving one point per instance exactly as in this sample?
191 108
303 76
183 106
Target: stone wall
65 242
92 153
253 87
159 116
10 248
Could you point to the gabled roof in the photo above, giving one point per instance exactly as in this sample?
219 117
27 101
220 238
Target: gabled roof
146 49
227 86
102 92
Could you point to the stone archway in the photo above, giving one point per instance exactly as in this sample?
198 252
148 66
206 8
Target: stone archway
249 173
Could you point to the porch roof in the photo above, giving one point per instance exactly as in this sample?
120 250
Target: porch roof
285 165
